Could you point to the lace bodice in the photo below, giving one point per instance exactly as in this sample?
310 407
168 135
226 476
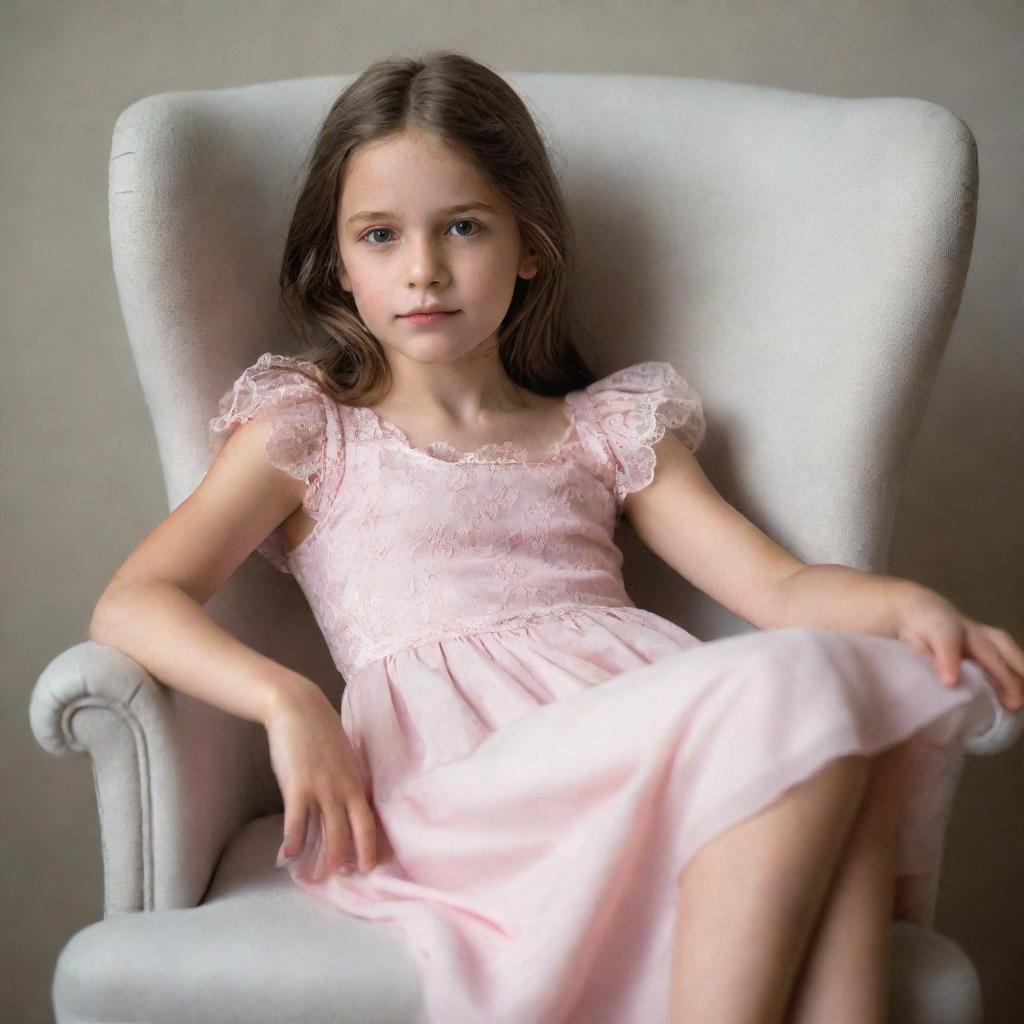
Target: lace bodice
416 542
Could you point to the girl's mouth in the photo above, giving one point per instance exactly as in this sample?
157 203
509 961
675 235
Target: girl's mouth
428 318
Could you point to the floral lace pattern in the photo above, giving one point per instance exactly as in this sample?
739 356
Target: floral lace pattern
410 540
304 439
370 425
634 406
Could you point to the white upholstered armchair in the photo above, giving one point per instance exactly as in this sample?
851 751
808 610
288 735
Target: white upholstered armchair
799 258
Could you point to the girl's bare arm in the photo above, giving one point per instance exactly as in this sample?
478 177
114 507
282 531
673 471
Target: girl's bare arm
690 526
152 609
683 519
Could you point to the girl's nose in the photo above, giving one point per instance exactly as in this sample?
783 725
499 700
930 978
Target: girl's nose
426 265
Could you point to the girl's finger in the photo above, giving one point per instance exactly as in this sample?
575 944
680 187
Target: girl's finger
947 663
918 645
1007 647
338 841
364 832
944 648
318 868
313 858
928 649
296 812
1008 684
943 643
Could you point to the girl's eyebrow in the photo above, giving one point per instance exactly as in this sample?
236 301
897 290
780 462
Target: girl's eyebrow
383 214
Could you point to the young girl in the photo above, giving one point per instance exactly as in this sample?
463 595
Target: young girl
577 812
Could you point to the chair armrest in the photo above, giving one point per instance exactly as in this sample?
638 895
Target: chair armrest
174 777
998 733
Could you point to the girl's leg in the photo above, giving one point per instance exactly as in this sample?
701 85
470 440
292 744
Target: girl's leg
845 977
749 899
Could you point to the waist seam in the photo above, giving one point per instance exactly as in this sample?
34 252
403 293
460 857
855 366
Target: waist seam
474 625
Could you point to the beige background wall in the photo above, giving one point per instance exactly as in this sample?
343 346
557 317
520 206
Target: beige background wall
81 484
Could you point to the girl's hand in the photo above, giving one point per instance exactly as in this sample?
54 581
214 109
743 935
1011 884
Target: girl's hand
319 775
937 629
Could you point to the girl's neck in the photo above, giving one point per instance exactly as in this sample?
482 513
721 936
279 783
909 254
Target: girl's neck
472 395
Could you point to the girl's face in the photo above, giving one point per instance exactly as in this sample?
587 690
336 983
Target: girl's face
420 252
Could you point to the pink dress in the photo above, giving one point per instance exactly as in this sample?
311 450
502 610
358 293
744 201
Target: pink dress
543 757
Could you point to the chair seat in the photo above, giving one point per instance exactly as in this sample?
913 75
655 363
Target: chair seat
258 950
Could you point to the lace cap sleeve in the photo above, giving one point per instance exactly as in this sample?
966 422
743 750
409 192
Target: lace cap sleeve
276 386
634 406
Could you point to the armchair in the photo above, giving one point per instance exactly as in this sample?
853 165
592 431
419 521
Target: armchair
799 257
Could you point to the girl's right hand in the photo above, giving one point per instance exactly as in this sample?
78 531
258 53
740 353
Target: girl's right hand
321 782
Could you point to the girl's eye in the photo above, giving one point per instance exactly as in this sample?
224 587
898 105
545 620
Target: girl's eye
372 231
465 222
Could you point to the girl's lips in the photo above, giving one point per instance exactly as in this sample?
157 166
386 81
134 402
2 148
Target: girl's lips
428 318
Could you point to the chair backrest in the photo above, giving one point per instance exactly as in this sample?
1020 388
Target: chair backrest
798 258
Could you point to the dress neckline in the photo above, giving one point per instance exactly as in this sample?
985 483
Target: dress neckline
491 453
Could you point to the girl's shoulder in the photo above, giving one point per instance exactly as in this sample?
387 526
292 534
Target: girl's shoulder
637 402
306 438
631 408
287 390
273 380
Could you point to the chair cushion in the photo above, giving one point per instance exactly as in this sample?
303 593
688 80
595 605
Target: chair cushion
257 950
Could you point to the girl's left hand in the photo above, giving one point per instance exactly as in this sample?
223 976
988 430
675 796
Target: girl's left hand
939 630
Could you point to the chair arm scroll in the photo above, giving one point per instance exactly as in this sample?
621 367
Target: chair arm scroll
1000 732
174 777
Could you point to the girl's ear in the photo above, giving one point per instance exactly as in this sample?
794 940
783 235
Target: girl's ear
528 266
343 277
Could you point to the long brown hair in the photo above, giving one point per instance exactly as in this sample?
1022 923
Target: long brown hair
474 109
